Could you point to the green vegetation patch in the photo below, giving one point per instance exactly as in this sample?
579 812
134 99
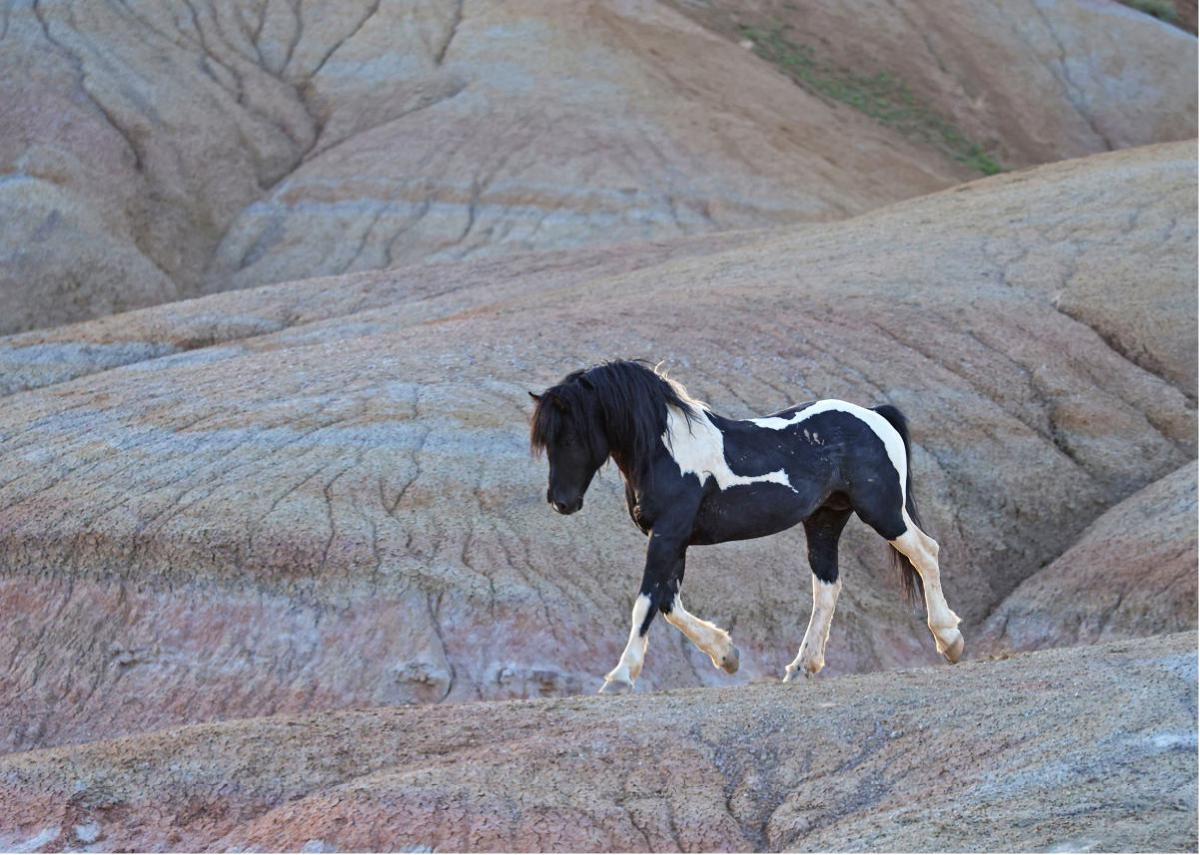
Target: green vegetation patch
1164 10
883 97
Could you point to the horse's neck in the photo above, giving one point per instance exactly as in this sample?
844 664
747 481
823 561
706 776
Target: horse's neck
625 466
637 473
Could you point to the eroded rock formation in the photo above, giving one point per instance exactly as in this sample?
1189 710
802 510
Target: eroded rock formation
1071 749
157 151
319 495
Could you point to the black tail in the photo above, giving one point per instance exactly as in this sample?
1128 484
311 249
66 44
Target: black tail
910 579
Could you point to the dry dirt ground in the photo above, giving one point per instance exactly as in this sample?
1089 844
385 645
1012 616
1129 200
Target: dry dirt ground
1083 749
235 144
1069 602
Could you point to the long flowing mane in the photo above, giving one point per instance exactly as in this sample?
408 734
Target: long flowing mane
623 403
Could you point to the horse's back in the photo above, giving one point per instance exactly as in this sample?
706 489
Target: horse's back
787 412
842 446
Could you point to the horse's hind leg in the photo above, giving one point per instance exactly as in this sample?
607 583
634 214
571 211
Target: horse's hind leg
883 509
922 551
823 529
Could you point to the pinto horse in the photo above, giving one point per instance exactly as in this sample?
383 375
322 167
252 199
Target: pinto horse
693 477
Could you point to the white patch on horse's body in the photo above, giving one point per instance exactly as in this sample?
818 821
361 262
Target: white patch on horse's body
709 637
629 668
811 656
698 447
888 435
922 551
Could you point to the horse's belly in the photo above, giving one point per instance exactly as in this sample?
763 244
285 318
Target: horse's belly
746 511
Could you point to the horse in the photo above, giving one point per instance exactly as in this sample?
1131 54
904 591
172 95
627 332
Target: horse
693 477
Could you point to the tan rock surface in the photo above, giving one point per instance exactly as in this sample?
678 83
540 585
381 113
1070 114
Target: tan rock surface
1079 750
170 149
319 495
1132 573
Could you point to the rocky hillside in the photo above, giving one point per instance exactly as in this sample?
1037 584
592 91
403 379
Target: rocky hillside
1070 750
316 495
1132 573
235 144
276 277
150 152
990 84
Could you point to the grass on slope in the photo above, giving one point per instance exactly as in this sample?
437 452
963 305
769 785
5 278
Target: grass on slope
1164 10
881 96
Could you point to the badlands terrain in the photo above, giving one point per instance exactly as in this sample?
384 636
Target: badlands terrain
937 759
276 569
159 150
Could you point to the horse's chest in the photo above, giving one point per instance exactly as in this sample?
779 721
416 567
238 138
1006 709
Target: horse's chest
637 511
640 518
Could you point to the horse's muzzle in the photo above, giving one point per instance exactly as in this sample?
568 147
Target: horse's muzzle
567 508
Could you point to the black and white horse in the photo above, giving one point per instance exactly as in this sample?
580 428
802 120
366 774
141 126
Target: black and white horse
693 477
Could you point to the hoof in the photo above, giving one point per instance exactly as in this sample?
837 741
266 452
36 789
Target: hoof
791 675
616 687
730 661
954 650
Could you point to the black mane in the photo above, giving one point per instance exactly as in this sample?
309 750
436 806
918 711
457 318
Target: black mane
623 403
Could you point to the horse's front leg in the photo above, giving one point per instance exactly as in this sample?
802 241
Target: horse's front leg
660 582
708 637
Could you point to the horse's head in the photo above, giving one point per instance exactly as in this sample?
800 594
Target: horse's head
616 408
568 425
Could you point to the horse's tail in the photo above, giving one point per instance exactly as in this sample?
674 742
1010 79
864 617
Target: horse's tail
910 579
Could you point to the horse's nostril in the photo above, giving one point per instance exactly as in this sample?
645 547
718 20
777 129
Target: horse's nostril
566 507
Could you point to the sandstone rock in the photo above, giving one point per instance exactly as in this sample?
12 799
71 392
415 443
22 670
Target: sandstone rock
1089 748
320 495
1133 573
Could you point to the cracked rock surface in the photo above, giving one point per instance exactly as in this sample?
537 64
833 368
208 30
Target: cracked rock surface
319 495
1132 573
1064 750
155 151
162 150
